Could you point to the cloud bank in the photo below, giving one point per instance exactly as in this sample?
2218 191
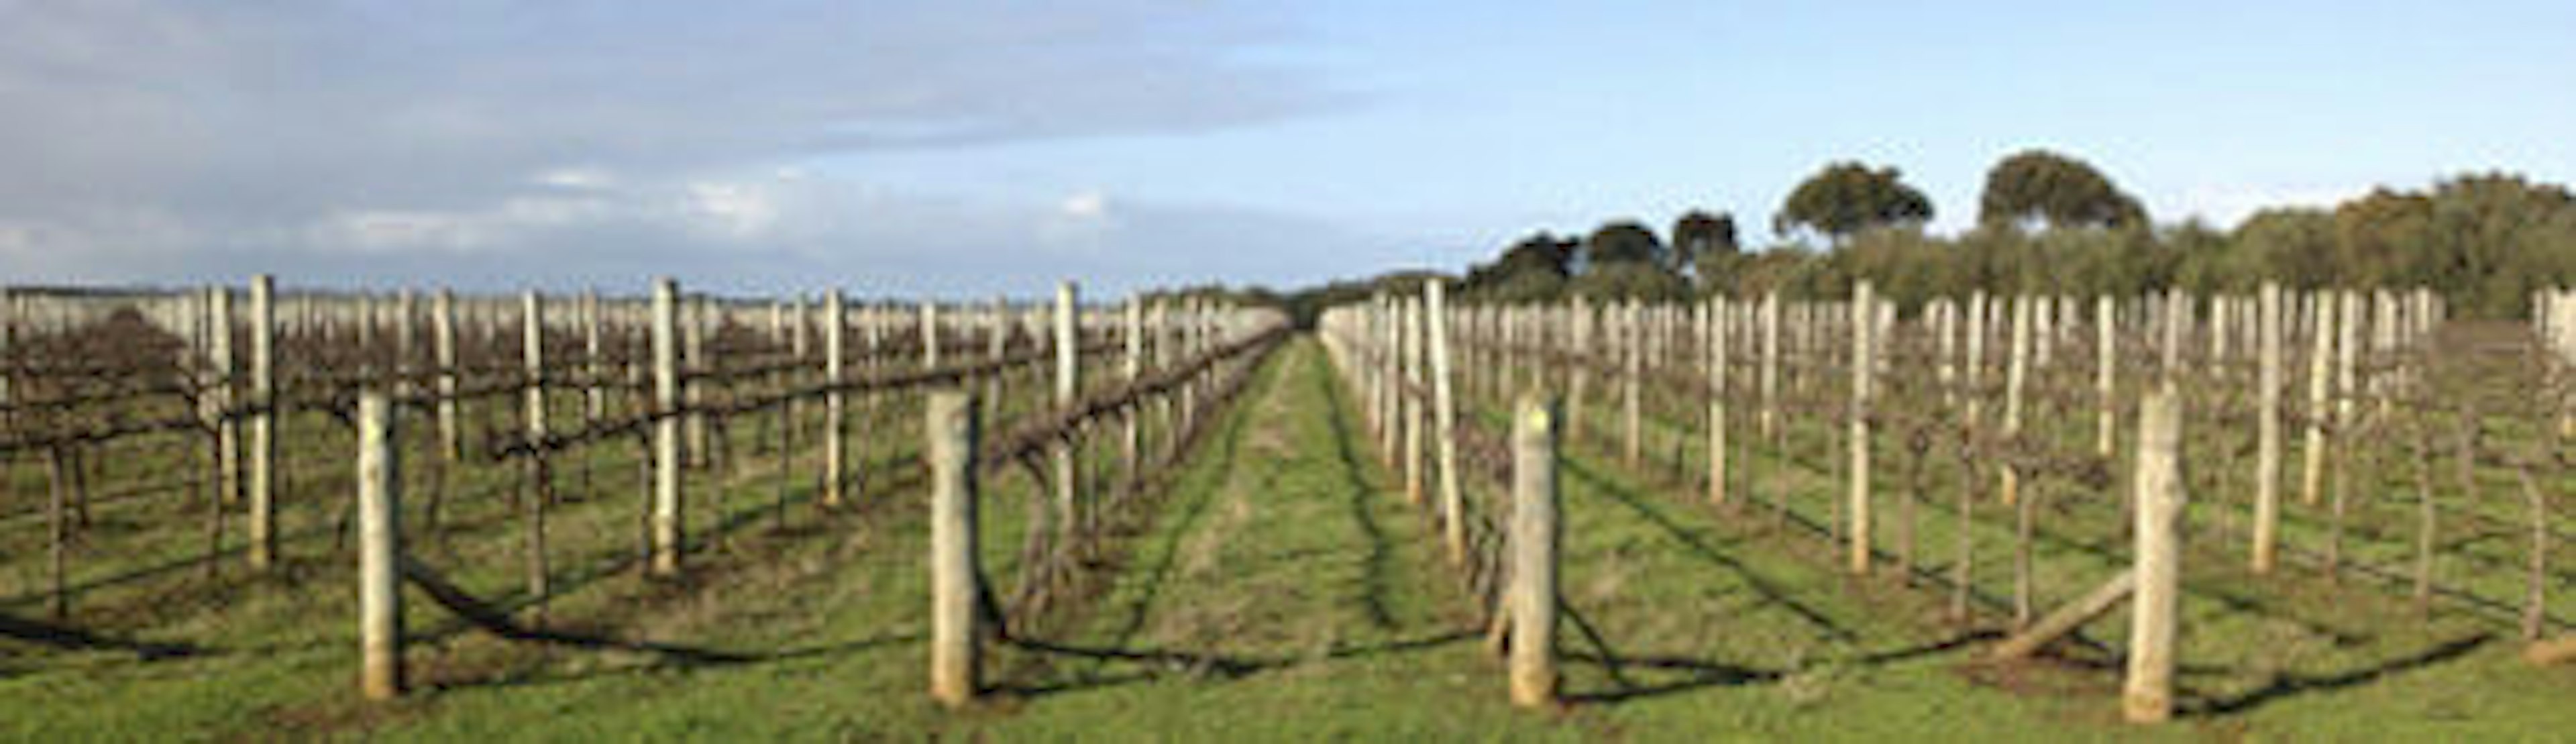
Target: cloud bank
496 144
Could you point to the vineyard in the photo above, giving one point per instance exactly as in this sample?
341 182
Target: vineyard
238 512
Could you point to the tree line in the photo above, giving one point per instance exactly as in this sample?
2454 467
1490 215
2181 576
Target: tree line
2048 222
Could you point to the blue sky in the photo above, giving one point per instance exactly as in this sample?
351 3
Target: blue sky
968 148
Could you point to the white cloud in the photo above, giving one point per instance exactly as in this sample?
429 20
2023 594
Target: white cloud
576 179
1088 205
736 211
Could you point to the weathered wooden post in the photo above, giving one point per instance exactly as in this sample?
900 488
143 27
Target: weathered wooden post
2148 696
1532 598
955 652
835 404
1632 357
263 422
1770 364
2320 362
1577 390
1068 386
2106 365
442 331
594 400
219 344
2267 456
667 527
930 335
1133 442
2016 372
1864 318
1453 517
693 320
1409 358
533 355
379 549
2024 513
1719 316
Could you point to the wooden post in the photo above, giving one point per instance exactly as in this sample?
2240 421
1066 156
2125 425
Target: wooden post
1771 363
1409 356
1068 385
380 617
594 401
955 654
219 340
442 331
533 359
1453 517
2320 362
263 422
1572 426
2016 371
693 320
2267 462
1632 357
2024 513
2148 696
1133 449
929 335
1864 319
1534 536
667 527
1719 314
2106 365
533 339
2066 620
1976 358
2177 321
835 404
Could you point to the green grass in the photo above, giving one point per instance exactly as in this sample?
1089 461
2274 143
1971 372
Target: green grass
1282 589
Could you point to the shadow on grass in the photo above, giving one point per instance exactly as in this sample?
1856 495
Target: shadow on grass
1162 571
2292 685
1770 591
69 638
1158 663
1374 586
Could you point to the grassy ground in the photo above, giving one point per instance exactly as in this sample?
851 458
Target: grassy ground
1283 590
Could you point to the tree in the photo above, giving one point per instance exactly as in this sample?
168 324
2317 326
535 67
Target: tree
1848 197
2038 186
1641 280
2295 245
1541 252
1698 234
1623 241
1706 245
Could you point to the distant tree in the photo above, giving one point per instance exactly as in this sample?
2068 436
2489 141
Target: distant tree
1540 252
2059 191
1623 241
2386 238
1697 234
1537 260
2499 237
1706 245
2294 245
1644 280
1848 197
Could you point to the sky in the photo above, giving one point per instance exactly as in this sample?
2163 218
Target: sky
967 148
